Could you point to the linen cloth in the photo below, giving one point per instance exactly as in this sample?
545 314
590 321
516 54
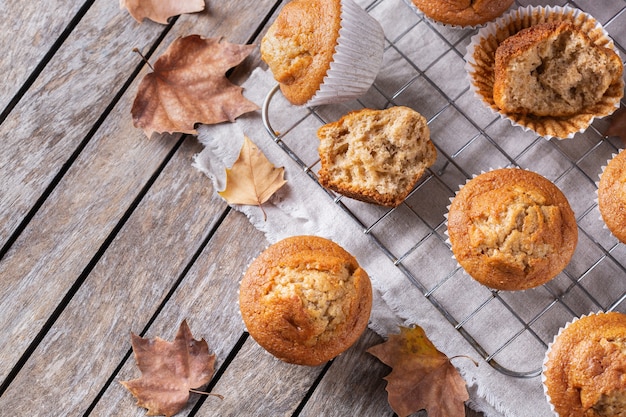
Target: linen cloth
302 207
424 68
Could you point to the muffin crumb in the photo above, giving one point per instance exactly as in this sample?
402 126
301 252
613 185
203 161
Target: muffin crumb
375 156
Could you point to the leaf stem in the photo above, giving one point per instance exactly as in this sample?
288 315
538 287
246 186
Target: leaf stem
465 357
144 58
195 391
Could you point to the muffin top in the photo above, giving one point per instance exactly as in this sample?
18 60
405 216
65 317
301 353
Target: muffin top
612 196
463 12
511 229
585 366
299 46
552 69
375 156
305 300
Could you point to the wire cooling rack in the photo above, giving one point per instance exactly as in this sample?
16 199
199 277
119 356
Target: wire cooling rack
423 68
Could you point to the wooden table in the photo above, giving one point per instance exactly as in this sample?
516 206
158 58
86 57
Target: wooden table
104 231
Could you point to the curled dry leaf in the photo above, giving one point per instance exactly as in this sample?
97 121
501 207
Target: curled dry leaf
188 86
422 377
252 179
618 125
169 370
160 10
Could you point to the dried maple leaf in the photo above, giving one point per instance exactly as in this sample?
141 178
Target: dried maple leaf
188 86
160 10
422 377
618 125
252 179
169 370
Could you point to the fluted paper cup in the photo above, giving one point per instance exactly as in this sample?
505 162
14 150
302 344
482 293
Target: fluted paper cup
357 59
480 61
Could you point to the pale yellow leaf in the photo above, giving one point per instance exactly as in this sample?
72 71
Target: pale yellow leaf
252 179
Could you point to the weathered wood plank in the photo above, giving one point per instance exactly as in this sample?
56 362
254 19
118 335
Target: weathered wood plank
257 384
122 292
355 383
75 221
33 29
64 103
207 298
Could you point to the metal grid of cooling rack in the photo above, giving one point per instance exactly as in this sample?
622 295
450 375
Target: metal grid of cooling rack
423 69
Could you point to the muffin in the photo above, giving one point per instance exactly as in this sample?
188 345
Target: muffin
511 229
552 69
584 368
305 300
463 13
376 156
574 60
323 51
612 196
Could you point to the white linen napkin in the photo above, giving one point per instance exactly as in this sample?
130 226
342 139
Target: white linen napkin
303 207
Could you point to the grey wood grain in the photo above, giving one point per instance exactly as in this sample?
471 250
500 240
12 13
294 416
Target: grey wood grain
121 293
208 298
31 30
75 221
257 384
65 102
353 385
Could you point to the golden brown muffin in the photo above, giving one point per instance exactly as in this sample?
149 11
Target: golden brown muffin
512 229
463 12
375 156
299 46
612 196
585 367
552 69
305 300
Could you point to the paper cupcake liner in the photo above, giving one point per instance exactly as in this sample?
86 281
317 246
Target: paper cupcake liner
357 59
544 366
480 59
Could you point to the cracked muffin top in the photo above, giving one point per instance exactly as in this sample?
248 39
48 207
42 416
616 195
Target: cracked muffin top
305 300
463 12
612 196
583 373
512 229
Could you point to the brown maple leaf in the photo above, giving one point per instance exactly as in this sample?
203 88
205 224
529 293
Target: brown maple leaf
169 370
160 10
252 179
422 377
618 125
188 86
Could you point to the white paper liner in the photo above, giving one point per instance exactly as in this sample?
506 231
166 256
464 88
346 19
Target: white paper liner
521 19
545 358
357 59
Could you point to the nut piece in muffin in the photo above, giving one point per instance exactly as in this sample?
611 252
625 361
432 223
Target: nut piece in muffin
511 229
612 196
552 69
305 300
463 13
376 156
584 368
